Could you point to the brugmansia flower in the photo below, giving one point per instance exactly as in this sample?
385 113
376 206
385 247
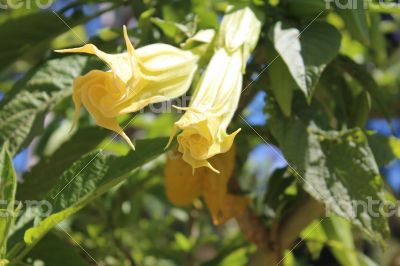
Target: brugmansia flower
204 124
182 186
137 78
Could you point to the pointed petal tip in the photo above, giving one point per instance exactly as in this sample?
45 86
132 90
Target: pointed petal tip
193 171
131 145
127 139
125 31
128 42
63 51
213 169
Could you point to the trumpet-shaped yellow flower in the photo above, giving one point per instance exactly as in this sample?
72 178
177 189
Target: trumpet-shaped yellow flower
205 121
137 78
182 186
216 97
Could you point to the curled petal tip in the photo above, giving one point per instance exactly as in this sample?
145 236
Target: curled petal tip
213 169
127 139
180 108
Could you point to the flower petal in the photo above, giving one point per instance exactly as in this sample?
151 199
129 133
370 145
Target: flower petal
181 186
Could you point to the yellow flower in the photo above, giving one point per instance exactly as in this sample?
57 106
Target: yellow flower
205 121
240 29
183 187
137 78
217 95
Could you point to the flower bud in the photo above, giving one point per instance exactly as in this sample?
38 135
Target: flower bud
240 29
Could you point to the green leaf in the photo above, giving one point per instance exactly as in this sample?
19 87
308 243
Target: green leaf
378 39
282 84
236 258
385 149
339 232
306 53
304 8
208 18
29 8
38 182
354 15
360 110
336 168
175 31
382 7
145 26
23 110
88 178
367 82
182 242
8 184
22 34
57 252
315 238
336 233
366 261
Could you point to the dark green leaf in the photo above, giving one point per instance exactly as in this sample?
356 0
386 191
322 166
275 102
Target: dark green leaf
336 168
8 185
339 232
208 18
305 8
360 110
306 53
44 175
354 15
175 31
57 252
357 72
282 84
385 149
22 34
88 178
378 40
23 110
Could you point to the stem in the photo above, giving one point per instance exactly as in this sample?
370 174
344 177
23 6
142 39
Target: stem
307 211
392 8
271 243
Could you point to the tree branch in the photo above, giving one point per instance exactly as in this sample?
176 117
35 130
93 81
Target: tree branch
271 243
